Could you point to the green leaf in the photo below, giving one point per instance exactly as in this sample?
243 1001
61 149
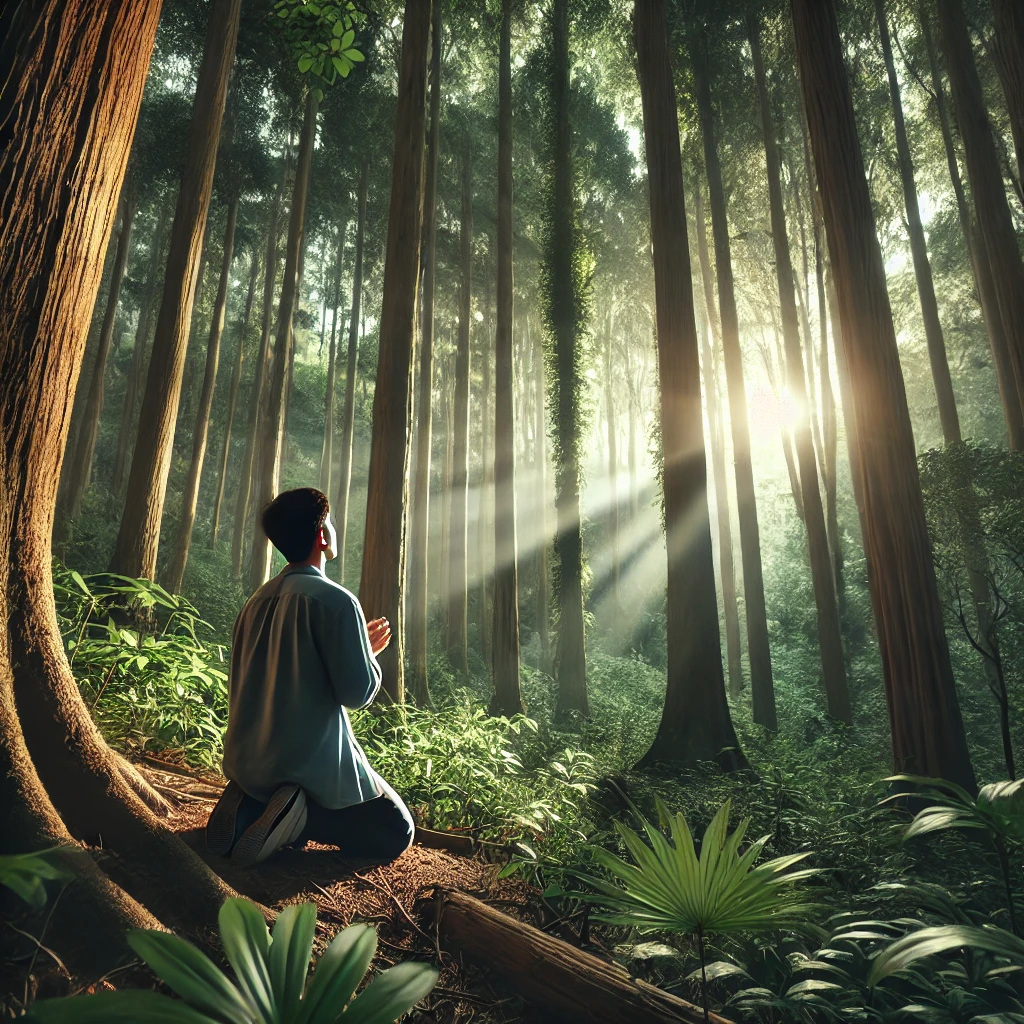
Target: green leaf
348 39
355 56
305 63
24 873
391 994
337 975
132 1005
290 950
339 29
247 946
1004 803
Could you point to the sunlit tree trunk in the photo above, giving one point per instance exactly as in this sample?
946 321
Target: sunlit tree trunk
272 435
927 730
695 723
81 465
348 413
138 539
507 699
458 573
190 495
327 451
540 460
484 550
613 460
380 588
830 643
762 686
418 596
236 380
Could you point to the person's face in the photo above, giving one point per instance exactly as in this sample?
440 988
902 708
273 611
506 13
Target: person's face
328 539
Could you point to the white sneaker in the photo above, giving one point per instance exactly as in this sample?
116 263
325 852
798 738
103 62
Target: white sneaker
281 823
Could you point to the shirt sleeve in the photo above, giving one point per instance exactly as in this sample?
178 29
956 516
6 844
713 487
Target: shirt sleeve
351 665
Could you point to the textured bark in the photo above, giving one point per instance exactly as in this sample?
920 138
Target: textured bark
273 427
613 462
190 494
458 559
485 550
351 365
830 643
762 686
256 398
986 180
418 596
1009 40
236 380
139 536
571 668
927 729
540 461
380 588
507 698
327 451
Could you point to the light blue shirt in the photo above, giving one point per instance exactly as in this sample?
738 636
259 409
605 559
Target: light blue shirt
300 656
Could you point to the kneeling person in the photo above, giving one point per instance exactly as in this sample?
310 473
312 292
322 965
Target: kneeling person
302 653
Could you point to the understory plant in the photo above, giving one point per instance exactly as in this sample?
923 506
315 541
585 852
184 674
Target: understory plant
271 983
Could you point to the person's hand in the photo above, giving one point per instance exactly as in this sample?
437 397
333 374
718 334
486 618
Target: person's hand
380 634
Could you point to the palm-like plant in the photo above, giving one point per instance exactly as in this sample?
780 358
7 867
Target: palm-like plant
271 984
669 888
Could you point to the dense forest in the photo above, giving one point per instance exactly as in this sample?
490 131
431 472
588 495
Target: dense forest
663 363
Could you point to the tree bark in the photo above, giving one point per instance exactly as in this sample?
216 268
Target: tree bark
351 367
507 698
1009 40
81 466
830 644
418 596
380 588
236 380
613 463
927 729
190 495
762 686
138 539
258 395
273 427
695 723
458 572
327 451
986 179
540 459
485 561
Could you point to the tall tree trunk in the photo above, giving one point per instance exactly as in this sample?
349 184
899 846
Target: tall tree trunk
613 462
273 432
418 596
139 536
830 643
927 730
695 724
507 699
484 550
348 414
458 573
1009 40
81 466
236 380
985 176
540 461
190 495
941 379
140 353
380 588
981 268
762 686
565 302
79 68
327 451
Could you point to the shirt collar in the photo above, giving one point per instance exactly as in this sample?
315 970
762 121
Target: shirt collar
302 570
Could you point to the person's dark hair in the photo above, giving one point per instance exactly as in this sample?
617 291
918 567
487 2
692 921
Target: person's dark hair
293 520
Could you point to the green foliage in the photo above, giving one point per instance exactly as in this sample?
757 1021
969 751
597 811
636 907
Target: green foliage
26 873
271 985
322 37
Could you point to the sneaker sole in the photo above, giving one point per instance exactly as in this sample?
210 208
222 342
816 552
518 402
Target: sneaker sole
220 829
277 826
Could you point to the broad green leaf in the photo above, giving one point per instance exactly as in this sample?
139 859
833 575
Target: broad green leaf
1004 803
290 948
132 1005
337 974
391 994
247 946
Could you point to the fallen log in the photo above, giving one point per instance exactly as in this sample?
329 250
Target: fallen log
566 982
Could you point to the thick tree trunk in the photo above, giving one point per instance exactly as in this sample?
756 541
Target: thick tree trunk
258 395
380 588
458 572
762 686
695 724
140 353
540 460
485 561
985 176
236 380
507 699
327 451
613 463
348 413
190 495
927 729
273 427
716 416
1009 40
418 596
139 536
833 667
564 302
